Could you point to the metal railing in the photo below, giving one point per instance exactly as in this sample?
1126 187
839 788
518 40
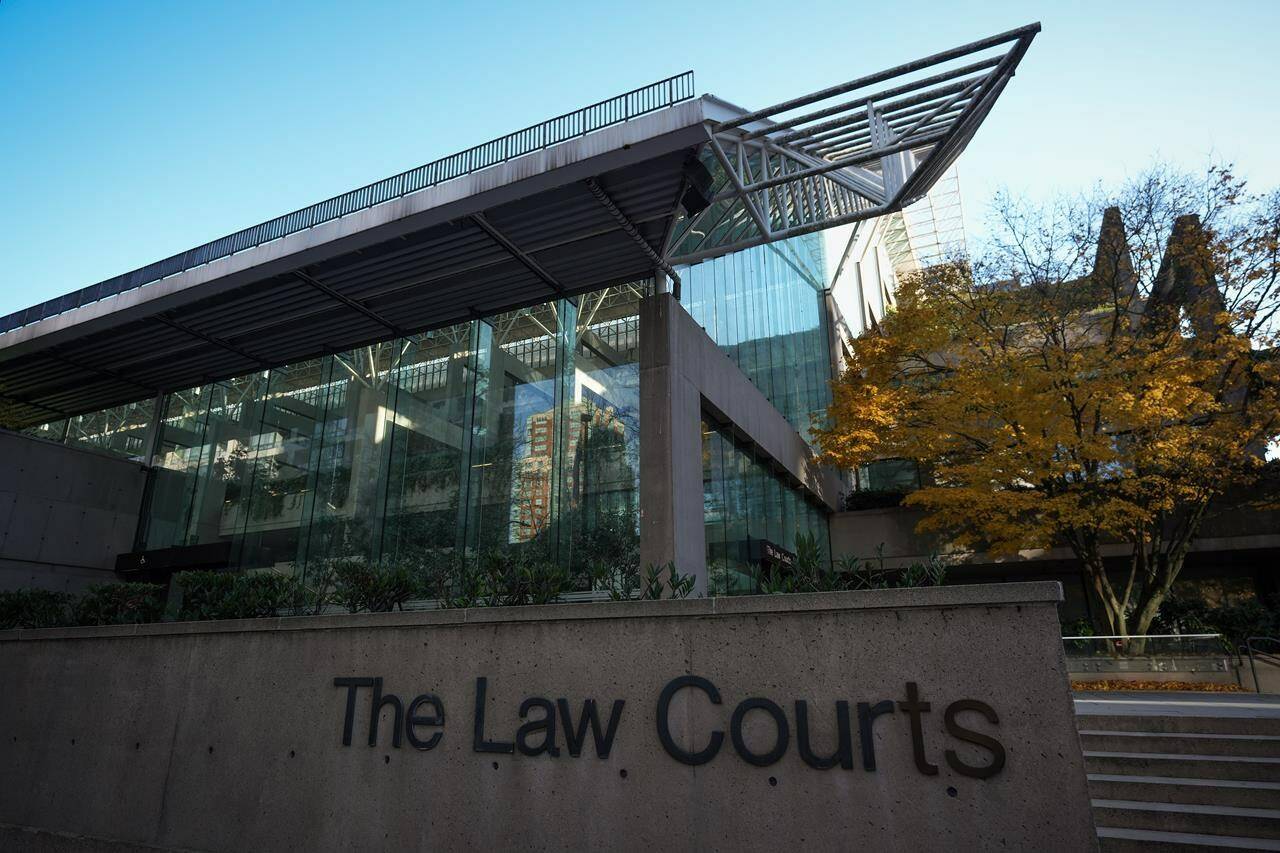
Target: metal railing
1270 658
1147 645
628 105
1152 653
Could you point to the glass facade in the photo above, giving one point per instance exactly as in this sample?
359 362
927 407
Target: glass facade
120 430
749 512
513 434
765 308
516 432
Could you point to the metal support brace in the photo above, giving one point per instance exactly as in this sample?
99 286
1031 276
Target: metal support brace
33 404
101 371
634 234
894 165
218 342
349 302
516 252
864 157
732 173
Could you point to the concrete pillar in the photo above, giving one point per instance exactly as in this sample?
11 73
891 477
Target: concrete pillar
671 521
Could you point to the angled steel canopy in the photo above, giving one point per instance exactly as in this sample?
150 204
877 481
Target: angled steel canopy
587 200
847 153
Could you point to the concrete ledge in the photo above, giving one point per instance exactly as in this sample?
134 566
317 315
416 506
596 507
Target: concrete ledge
31 839
935 597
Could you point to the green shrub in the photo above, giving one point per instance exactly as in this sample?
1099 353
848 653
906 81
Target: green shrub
312 590
621 582
812 573
204 595
358 585
1189 614
1238 622
1078 628
234 595
120 604
677 585
256 595
512 577
34 608
774 583
543 582
1183 614
458 585
872 574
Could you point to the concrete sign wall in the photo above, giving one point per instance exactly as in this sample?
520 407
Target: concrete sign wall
892 720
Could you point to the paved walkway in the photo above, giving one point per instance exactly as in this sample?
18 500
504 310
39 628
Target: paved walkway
1179 704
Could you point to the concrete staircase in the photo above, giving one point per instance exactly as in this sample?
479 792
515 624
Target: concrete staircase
1176 771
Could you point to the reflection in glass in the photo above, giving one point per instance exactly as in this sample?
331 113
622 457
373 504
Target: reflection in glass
765 308
512 437
119 430
746 509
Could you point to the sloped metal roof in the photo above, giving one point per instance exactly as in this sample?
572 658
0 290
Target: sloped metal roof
581 202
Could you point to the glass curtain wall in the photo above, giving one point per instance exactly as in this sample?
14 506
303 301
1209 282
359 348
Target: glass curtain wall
516 433
749 512
120 430
765 308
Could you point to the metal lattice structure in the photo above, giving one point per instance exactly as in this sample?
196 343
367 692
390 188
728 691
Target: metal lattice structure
847 153
929 230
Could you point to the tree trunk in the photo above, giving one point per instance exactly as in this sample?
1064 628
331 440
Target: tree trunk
1151 606
1085 546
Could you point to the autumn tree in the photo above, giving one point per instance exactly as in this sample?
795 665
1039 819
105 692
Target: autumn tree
1103 373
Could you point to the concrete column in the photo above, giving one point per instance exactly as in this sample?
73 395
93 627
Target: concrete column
671 522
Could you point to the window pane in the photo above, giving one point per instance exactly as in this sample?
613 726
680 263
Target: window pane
431 397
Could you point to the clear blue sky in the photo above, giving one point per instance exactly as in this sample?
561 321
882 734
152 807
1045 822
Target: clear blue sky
133 130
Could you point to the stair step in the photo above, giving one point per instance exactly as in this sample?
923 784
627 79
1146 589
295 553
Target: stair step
1169 723
1239 767
1262 746
1121 840
1183 817
1173 789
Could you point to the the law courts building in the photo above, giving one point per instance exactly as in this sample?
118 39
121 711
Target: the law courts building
605 336
600 340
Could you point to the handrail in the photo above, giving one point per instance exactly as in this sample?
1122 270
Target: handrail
1141 636
601 114
1248 645
1147 645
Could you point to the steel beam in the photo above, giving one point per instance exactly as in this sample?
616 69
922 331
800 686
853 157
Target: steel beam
101 371
793 132
33 404
869 156
882 76
634 233
731 173
482 222
218 342
349 302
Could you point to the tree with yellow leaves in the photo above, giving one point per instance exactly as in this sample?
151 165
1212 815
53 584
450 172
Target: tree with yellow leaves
1098 378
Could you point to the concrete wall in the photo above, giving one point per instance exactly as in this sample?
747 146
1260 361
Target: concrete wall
228 736
65 513
860 532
